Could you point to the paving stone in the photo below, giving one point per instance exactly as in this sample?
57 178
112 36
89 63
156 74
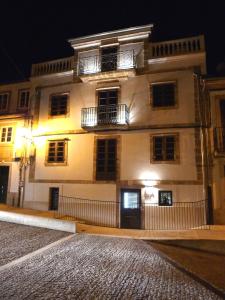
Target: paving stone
18 240
94 267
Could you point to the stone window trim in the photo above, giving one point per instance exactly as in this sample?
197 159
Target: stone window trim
176 148
2 93
6 134
165 198
65 157
108 88
27 100
50 116
175 106
118 158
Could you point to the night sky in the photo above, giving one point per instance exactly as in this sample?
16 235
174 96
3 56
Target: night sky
35 31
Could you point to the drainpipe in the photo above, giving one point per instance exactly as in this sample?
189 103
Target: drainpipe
203 117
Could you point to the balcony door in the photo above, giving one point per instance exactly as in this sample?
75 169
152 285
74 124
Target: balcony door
130 208
108 59
4 177
107 106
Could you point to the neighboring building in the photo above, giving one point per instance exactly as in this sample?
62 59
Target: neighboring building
120 122
215 95
15 124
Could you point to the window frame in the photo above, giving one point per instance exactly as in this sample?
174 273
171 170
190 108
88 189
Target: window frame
118 157
19 107
159 198
8 99
50 105
176 159
6 135
175 106
57 163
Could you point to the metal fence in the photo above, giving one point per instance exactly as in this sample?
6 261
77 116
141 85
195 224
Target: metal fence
179 216
105 115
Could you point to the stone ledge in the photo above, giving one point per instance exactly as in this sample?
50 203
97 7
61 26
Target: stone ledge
36 221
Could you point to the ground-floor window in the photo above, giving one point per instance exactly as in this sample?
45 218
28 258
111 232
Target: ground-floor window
165 198
106 159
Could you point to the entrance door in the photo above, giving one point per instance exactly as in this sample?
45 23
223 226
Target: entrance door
54 198
130 208
4 176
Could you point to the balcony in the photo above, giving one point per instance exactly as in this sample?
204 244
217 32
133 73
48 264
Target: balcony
95 67
105 116
53 66
177 47
219 140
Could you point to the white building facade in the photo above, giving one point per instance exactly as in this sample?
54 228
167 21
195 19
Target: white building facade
119 124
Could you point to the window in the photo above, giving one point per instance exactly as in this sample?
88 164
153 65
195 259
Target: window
109 59
57 152
163 95
106 159
6 135
107 106
4 99
23 101
58 104
165 198
164 148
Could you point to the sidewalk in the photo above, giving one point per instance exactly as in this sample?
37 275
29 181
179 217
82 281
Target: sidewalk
216 232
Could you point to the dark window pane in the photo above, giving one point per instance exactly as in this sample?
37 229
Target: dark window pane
163 95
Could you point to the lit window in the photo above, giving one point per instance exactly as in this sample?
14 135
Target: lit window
58 104
164 148
4 99
23 101
6 135
165 198
163 95
56 151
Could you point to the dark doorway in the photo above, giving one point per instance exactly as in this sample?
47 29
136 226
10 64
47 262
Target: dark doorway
54 198
4 177
130 208
109 59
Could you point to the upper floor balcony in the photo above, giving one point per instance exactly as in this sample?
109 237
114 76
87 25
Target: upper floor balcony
53 66
219 140
177 47
104 116
112 64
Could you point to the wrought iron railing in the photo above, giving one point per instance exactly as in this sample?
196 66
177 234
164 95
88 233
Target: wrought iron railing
219 140
105 115
108 62
179 216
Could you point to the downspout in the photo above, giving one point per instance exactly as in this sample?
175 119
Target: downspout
204 148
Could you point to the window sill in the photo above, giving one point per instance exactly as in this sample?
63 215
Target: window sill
56 164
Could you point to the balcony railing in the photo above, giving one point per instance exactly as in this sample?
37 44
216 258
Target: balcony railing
102 63
105 115
180 216
53 66
219 140
177 47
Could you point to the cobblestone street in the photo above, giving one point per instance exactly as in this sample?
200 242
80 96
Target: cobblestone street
19 240
91 267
